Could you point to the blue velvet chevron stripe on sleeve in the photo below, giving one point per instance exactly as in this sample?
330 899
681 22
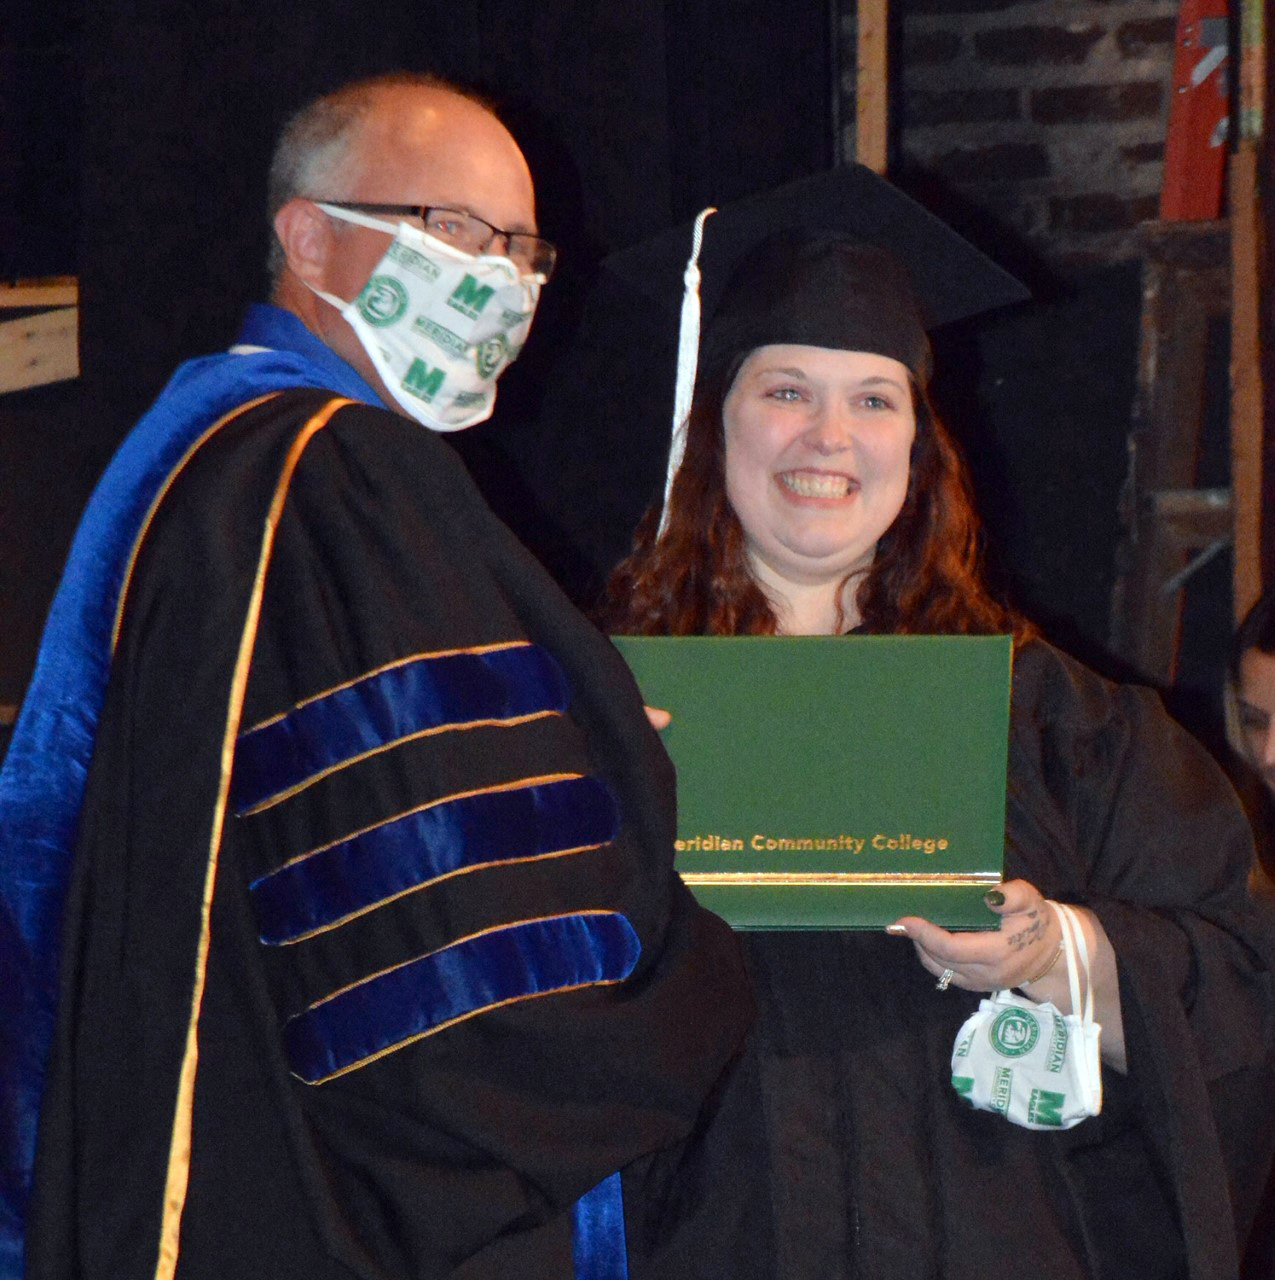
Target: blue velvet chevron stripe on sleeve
389 1010
428 694
331 885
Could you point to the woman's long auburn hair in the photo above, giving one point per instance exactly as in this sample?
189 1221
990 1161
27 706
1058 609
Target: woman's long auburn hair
695 579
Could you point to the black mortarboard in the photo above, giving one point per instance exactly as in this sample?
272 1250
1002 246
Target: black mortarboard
951 278
842 259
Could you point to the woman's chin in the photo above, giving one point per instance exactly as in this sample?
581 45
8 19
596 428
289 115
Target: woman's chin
813 563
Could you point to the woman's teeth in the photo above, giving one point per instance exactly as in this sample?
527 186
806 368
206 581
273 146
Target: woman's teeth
807 484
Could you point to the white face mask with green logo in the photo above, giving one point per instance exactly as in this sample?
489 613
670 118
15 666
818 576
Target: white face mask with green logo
1036 1066
438 325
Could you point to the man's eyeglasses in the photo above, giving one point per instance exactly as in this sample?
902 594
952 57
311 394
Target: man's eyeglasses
469 233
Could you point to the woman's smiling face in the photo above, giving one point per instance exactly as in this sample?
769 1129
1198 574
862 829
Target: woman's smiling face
818 443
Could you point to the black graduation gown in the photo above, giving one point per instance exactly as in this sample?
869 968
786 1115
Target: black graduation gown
840 1150
327 638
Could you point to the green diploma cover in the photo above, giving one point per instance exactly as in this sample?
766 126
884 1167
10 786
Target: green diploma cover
835 782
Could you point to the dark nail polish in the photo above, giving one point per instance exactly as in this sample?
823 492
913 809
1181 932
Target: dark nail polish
994 898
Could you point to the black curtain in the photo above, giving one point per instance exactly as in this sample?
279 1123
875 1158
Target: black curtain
632 116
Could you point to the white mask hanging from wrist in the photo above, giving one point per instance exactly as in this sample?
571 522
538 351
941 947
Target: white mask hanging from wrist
1039 1068
439 326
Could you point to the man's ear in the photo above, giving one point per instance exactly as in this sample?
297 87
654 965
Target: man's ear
305 233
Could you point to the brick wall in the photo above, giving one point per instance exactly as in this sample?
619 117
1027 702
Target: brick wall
1047 116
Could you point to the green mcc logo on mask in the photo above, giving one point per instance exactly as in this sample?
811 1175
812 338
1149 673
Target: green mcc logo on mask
1057 1046
1014 1033
491 355
382 301
469 297
1045 1108
441 336
413 261
423 382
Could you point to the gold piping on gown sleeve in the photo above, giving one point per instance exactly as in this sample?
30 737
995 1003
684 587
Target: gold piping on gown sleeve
499 788
519 785
432 732
476 650
177 1181
471 1013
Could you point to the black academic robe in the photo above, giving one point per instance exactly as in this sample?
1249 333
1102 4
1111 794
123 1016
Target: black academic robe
375 958
839 1149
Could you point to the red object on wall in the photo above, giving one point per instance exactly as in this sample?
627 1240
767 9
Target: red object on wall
1196 143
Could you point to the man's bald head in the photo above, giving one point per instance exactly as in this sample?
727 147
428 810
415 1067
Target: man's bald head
412 141
319 149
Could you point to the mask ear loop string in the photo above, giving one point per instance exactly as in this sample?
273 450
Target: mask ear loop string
687 362
1074 941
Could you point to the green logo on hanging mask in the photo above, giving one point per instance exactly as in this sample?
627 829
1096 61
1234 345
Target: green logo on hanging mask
1014 1033
1057 1046
1046 1107
382 301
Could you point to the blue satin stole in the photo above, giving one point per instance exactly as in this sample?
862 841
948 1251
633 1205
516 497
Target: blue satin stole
598 1242
43 778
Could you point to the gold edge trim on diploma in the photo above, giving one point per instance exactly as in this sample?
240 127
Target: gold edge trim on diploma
868 879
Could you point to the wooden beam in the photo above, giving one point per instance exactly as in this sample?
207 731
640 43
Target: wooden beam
871 116
1168 522
1259 91
64 291
1246 379
39 348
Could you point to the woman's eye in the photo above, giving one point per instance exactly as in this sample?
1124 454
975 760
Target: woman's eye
1253 720
873 401
788 395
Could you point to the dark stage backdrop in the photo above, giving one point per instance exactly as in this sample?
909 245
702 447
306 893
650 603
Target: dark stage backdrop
633 116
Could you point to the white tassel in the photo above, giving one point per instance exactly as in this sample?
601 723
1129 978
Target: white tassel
687 362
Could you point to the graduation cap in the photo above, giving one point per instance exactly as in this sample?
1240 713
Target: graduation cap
842 259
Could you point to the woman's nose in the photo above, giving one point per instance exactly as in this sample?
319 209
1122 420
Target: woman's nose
830 431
